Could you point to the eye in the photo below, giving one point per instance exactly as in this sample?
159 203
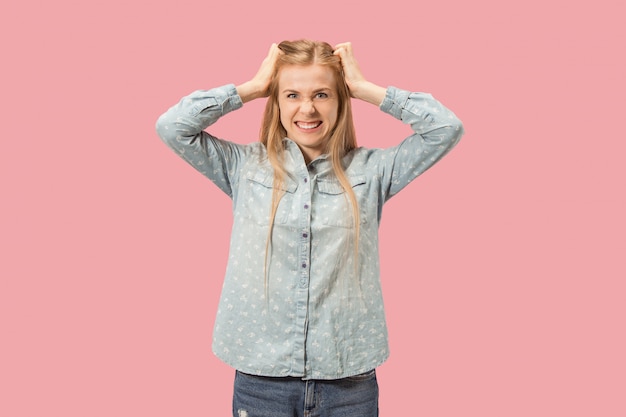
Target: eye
292 95
321 95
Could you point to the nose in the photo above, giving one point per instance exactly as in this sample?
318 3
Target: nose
307 107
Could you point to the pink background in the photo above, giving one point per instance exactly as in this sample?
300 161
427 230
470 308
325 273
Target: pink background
503 267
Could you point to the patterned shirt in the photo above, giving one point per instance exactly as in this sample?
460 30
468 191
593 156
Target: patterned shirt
318 316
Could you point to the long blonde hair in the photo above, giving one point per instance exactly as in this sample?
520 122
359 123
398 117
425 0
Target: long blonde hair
342 136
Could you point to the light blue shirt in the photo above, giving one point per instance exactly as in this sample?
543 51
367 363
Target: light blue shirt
324 318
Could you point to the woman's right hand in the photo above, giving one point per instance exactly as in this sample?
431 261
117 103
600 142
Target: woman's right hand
258 86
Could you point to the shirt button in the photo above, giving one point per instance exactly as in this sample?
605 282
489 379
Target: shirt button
305 235
306 180
306 206
303 265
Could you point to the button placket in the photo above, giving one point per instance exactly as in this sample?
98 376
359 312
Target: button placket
305 233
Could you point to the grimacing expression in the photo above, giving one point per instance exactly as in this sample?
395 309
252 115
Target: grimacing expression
309 104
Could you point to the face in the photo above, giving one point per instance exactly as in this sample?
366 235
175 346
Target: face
308 102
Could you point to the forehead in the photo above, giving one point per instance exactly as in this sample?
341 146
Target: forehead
305 77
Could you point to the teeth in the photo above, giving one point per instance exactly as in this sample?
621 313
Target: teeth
308 125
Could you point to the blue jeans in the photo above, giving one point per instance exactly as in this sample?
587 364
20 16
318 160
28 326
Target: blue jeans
259 396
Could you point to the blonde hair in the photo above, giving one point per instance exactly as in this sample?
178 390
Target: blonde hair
342 136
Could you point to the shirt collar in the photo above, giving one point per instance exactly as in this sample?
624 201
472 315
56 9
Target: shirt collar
292 148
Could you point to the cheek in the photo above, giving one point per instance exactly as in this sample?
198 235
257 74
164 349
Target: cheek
282 113
285 111
332 114
285 122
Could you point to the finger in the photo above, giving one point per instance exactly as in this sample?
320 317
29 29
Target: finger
346 45
342 48
273 50
272 56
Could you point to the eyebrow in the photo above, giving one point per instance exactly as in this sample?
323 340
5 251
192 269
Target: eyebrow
318 90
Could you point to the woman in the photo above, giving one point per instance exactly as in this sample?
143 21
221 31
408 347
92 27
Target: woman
301 314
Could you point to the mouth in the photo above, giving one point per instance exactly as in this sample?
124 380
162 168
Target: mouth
308 125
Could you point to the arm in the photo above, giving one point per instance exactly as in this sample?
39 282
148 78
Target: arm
182 126
182 129
197 111
436 130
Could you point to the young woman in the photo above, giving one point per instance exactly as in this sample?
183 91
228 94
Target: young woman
301 314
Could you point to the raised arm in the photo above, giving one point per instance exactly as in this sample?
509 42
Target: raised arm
182 126
436 130
202 108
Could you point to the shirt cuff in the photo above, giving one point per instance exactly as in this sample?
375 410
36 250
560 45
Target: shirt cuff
231 100
394 101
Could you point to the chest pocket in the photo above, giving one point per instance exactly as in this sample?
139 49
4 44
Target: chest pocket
258 199
331 206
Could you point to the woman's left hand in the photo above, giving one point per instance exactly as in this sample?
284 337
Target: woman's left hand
351 71
359 87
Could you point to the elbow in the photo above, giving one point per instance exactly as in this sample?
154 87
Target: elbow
456 131
165 128
450 134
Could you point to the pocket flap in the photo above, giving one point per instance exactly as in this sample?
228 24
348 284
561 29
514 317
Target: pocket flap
266 179
334 187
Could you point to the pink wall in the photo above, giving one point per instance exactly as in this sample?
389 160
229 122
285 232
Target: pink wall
113 249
